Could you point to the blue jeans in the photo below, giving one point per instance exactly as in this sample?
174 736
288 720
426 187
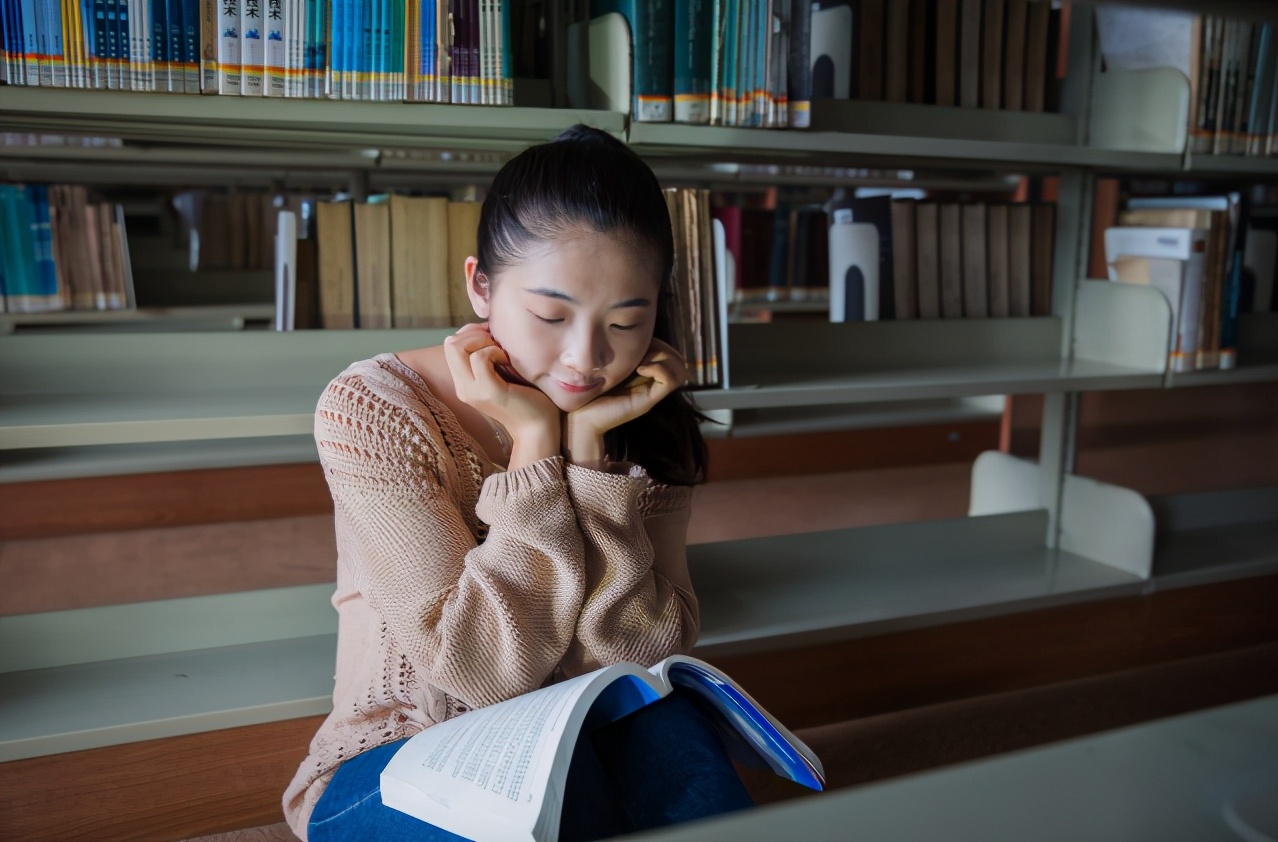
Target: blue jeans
661 765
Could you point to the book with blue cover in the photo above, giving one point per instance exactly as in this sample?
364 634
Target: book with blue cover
499 772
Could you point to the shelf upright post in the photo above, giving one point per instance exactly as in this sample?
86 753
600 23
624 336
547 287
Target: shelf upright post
1073 226
1060 410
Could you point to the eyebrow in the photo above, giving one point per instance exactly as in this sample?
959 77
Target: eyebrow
563 296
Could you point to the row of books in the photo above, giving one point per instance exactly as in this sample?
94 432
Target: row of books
61 251
417 50
997 54
232 230
761 63
875 257
1231 67
697 284
1236 107
1209 257
393 261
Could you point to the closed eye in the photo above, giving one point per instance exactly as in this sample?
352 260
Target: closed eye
546 320
625 327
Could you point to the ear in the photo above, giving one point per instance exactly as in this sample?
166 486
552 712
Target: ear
477 289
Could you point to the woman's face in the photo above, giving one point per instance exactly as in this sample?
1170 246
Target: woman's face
577 317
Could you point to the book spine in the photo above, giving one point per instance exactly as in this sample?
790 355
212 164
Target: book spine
42 245
799 70
206 19
94 13
130 68
146 46
1247 57
470 53
58 42
397 50
731 29
252 48
1259 117
73 37
160 45
6 78
443 51
651 31
362 53
31 41
229 64
123 44
339 12
185 52
692 32
507 67
314 49
274 29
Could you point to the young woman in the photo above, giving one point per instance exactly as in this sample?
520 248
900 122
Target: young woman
512 508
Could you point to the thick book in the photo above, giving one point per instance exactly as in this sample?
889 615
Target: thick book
976 294
693 31
928 259
419 261
651 25
500 772
1172 260
373 264
799 68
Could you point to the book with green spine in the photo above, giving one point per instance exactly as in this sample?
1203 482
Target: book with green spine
651 25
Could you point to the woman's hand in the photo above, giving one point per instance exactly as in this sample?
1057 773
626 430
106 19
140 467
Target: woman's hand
661 372
533 421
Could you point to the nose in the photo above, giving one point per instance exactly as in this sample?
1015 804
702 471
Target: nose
587 353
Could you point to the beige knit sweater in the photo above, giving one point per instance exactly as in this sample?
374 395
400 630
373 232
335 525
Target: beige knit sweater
460 584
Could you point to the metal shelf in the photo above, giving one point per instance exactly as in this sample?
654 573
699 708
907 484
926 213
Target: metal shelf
77 389
670 139
291 122
50 463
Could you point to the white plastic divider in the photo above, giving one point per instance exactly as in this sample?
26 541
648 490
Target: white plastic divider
1140 110
1099 521
1122 324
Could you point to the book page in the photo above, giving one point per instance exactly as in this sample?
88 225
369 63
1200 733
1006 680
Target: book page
484 773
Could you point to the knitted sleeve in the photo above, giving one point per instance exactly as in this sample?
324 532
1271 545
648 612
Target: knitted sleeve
638 604
484 622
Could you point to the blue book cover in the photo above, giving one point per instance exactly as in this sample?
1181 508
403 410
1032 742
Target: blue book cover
25 278
54 54
363 60
428 52
42 246
12 43
31 41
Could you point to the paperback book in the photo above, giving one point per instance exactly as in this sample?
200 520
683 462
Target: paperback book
499 772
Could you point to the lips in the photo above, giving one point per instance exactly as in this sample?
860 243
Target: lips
575 388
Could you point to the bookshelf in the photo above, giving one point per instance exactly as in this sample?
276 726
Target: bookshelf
78 404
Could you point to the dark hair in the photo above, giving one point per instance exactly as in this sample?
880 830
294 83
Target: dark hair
586 178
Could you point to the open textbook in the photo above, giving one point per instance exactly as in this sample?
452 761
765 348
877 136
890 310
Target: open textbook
499 772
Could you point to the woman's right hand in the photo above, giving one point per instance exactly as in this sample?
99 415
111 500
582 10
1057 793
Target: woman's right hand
531 419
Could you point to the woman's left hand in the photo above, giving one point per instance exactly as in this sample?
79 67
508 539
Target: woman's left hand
661 372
